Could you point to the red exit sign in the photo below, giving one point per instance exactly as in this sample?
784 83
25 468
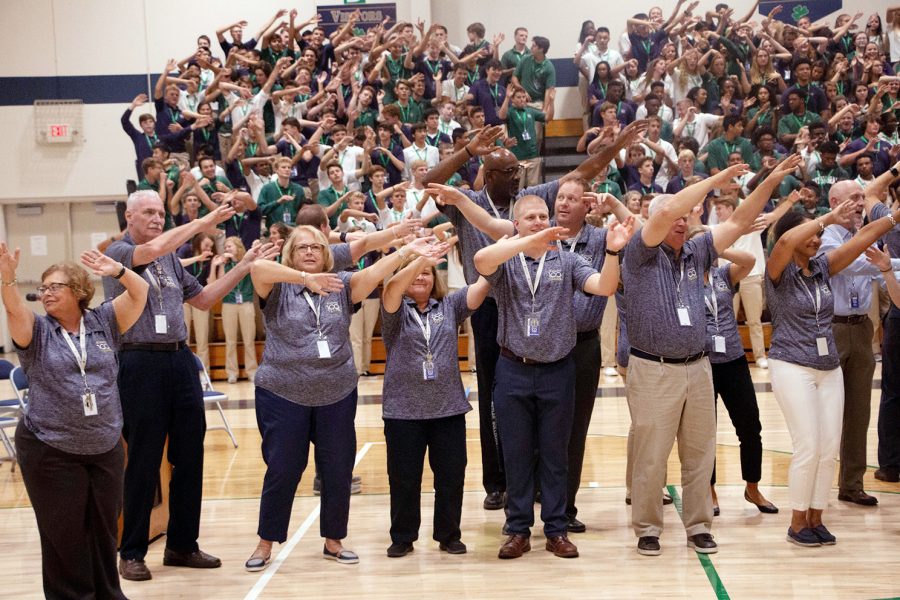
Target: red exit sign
59 131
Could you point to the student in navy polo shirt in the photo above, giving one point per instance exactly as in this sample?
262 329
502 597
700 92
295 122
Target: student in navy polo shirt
535 382
488 93
144 139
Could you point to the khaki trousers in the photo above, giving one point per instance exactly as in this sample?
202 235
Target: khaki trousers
531 174
362 326
669 402
243 315
200 319
750 293
609 328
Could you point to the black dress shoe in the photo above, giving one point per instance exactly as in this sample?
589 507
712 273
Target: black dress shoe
494 500
198 559
454 547
575 526
767 508
858 497
888 474
716 510
399 549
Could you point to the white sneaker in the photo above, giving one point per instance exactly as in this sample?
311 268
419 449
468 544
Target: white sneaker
232 379
762 363
610 372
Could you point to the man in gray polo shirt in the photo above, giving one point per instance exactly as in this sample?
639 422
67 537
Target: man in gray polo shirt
501 185
669 383
853 330
158 383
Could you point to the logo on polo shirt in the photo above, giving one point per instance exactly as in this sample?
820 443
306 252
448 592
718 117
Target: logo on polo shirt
692 274
825 289
333 307
437 318
102 345
555 274
587 257
721 285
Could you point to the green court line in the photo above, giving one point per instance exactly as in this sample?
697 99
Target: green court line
708 567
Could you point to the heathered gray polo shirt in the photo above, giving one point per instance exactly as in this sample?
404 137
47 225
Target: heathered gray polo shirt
792 305
55 410
290 365
343 260
591 246
563 275
406 394
720 283
170 287
651 276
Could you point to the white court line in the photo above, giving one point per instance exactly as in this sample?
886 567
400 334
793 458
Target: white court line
295 539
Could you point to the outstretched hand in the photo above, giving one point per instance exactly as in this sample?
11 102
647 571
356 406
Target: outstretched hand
100 264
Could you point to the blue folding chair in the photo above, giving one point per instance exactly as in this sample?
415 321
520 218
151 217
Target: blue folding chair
211 396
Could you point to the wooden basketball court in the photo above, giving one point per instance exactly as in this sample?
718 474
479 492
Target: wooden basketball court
754 560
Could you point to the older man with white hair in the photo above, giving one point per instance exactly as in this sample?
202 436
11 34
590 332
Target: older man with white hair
852 291
158 385
669 383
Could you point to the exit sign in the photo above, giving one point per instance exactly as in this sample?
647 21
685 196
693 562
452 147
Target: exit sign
59 133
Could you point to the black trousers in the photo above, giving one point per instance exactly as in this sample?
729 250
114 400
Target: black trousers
487 351
732 382
161 396
587 378
889 410
445 440
76 500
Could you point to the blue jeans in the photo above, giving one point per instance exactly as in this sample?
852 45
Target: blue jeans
287 429
535 404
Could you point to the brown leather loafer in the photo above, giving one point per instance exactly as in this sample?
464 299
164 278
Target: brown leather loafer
858 497
193 560
561 547
515 546
134 569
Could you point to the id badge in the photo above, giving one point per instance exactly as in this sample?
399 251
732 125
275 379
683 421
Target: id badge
854 300
286 216
719 344
533 325
822 346
684 317
324 351
160 323
526 137
238 298
428 372
89 403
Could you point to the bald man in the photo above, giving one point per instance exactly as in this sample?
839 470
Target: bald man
501 171
852 290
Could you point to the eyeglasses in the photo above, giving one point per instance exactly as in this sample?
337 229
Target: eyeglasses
53 288
516 170
311 248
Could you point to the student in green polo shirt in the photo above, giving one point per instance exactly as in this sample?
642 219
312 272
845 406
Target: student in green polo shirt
537 75
156 180
280 200
237 310
520 122
718 149
512 57
789 126
332 198
410 111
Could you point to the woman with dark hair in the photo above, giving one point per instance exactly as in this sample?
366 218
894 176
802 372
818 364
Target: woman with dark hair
597 88
760 108
70 442
803 360
306 382
203 249
424 401
587 30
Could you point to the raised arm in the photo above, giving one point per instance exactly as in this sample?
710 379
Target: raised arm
217 290
474 214
363 282
741 264
128 305
19 318
882 260
846 253
169 241
483 143
606 281
489 258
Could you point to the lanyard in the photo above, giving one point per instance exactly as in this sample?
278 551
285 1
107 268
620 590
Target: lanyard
533 284
151 140
81 359
426 331
434 68
238 222
155 276
493 207
432 140
420 154
574 242
680 278
404 111
524 114
317 310
713 305
495 93
817 302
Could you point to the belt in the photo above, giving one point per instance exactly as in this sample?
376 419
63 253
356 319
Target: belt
850 319
156 347
583 336
666 359
526 361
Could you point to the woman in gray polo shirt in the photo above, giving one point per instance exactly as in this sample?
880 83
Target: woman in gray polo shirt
424 401
306 382
803 361
69 443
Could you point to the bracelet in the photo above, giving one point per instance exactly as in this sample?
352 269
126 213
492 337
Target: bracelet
613 252
892 220
895 172
121 273
469 152
821 225
886 270
303 277
9 283
343 237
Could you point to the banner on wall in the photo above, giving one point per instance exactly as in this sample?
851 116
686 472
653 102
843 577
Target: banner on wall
333 17
794 11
